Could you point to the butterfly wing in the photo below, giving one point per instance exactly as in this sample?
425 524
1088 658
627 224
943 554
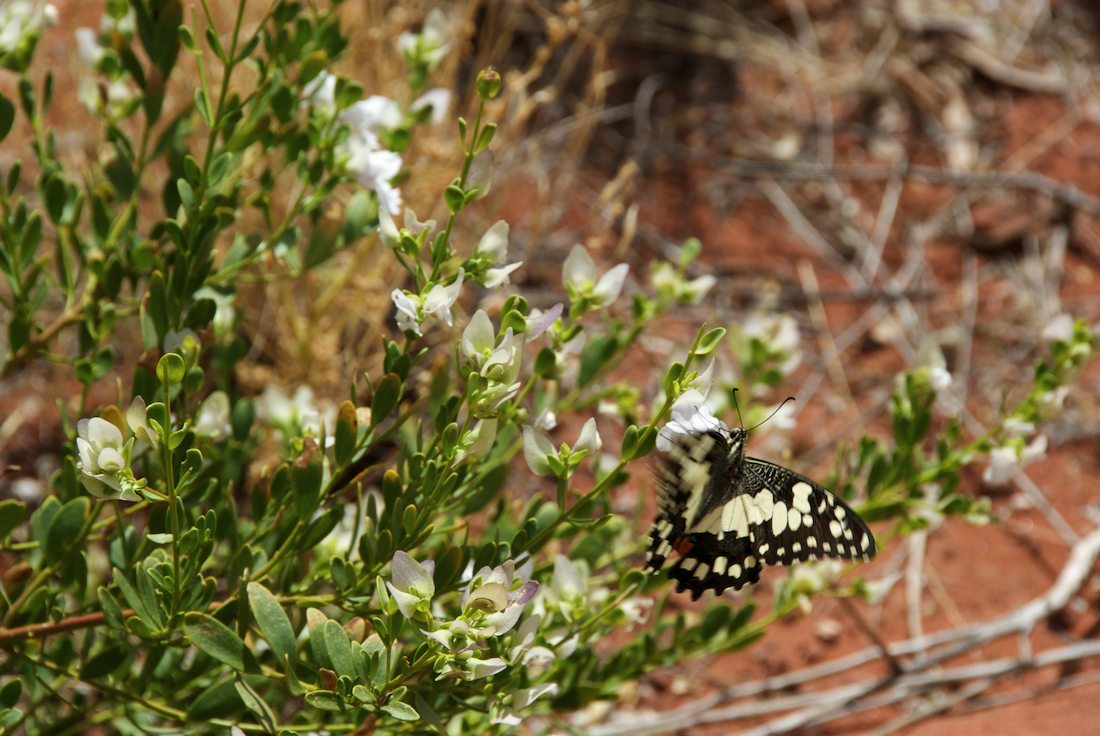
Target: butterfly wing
805 520
695 483
726 515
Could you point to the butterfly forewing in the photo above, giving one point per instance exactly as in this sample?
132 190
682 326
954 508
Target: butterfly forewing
722 515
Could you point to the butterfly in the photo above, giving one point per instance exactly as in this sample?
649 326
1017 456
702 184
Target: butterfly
725 515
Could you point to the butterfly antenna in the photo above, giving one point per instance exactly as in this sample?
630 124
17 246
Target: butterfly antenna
775 411
737 407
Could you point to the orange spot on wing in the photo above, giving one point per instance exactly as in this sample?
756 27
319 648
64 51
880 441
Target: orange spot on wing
683 545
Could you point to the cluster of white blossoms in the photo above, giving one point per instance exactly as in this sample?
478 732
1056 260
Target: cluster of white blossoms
298 416
22 22
104 453
118 96
372 165
475 643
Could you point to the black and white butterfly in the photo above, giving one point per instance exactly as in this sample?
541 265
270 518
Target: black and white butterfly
726 515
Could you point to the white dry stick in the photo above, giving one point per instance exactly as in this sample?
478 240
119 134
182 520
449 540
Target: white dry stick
920 676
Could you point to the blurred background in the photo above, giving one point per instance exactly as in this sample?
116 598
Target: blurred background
908 183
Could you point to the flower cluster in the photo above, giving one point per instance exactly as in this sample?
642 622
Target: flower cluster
414 309
297 416
543 459
117 96
588 292
491 605
104 453
21 24
492 365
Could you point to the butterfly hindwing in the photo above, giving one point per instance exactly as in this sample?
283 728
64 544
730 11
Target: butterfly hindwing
807 521
723 515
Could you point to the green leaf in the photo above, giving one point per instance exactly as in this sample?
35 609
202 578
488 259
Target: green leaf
454 197
594 356
10 692
187 194
214 638
256 704
105 662
710 340
401 711
273 622
347 430
7 116
220 700
12 513
387 392
64 529
112 611
171 369
339 648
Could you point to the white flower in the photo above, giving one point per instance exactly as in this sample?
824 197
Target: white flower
1059 329
499 275
321 92
546 421
87 46
511 715
412 585
930 357
1015 427
569 581
476 668
494 246
387 229
479 338
374 115
480 439
579 277
494 243
101 461
589 439
407 311
667 280
490 591
690 415
1003 461
373 168
498 362
137 417
779 332
428 46
1034 450
539 321
636 609
439 299
1006 459
439 99
537 449
297 415
224 312
212 418
19 18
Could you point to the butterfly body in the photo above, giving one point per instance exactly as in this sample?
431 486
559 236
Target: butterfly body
724 515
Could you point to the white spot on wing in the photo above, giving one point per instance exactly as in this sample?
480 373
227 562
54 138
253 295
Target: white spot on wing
702 570
802 491
779 518
735 571
835 528
794 519
720 565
